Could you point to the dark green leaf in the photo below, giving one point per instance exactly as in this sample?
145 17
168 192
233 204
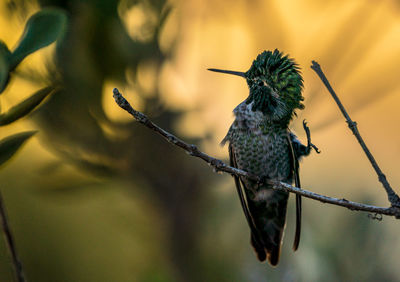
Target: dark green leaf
25 107
4 72
10 145
42 29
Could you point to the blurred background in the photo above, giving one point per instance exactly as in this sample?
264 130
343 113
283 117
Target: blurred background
96 197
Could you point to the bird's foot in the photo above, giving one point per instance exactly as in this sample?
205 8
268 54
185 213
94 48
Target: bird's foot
308 133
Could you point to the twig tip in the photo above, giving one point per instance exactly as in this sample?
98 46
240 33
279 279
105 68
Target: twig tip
315 65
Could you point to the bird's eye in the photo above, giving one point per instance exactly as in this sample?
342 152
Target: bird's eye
260 83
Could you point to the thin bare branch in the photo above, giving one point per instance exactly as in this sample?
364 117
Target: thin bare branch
392 196
219 165
392 211
10 243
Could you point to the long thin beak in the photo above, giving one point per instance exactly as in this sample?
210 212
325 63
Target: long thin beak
238 73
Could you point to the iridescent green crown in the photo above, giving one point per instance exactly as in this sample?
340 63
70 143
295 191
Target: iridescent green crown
280 73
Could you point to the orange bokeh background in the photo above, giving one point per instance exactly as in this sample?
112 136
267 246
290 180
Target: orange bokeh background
357 44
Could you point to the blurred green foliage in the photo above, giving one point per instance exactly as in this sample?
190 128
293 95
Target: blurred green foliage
10 145
25 107
42 29
96 49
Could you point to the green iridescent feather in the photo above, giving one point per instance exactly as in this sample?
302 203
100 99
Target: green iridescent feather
281 75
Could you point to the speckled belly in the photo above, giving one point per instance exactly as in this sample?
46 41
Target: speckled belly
263 154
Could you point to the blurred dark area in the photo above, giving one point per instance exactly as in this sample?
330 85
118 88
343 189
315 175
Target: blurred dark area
97 48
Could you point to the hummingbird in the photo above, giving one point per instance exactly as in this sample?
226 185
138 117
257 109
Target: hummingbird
261 143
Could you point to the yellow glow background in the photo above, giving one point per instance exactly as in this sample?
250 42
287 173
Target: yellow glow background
357 43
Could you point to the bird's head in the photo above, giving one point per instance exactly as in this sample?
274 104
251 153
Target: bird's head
275 85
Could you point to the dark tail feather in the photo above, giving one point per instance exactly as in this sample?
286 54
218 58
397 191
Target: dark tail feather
270 252
269 221
273 247
298 197
298 209
273 255
298 223
259 248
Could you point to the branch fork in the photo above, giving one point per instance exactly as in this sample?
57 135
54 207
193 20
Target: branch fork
393 198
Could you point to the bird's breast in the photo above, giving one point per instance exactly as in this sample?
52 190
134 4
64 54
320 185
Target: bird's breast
262 154
259 147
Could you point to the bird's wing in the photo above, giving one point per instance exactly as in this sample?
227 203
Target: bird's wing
255 235
295 166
